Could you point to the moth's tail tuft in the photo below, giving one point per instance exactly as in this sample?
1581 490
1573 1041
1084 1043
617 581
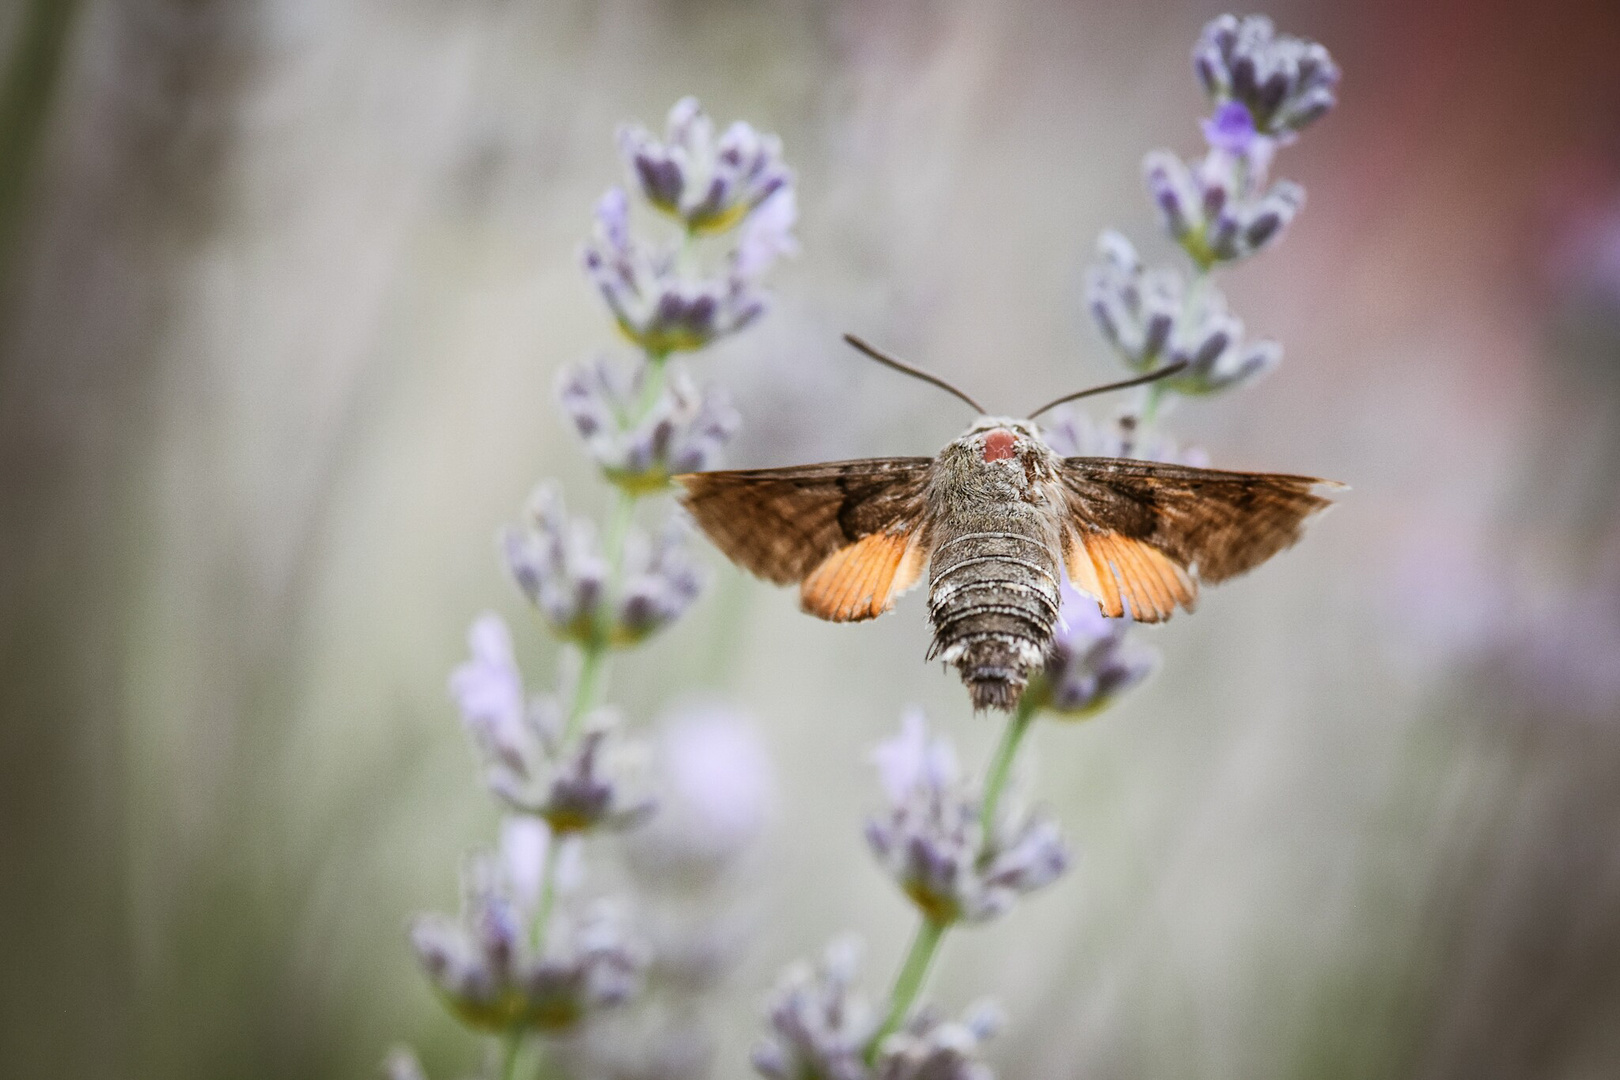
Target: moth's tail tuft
999 694
996 670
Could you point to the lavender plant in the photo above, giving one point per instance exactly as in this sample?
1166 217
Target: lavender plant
529 955
963 852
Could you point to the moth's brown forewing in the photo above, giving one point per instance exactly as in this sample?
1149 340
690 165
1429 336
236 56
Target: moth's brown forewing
1143 534
849 533
996 518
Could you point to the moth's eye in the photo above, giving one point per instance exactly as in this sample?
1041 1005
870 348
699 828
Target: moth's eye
998 445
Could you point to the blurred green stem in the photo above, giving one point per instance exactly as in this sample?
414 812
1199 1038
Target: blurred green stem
909 983
511 1046
1151 395
40 36
588 691
995 779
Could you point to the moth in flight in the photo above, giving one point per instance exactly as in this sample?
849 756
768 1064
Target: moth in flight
995 518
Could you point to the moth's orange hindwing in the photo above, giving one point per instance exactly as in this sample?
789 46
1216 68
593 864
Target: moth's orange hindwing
862 580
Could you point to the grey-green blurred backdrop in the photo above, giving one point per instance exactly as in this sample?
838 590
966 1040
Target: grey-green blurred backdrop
286 287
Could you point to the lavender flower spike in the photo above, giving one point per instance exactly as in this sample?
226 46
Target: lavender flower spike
931 841
1148 318
931 1048
1089 663
485 971
819 1026
513 738
655 306
709 184
1286 83
640 447
1216 211
661 582
1134 309
592 787
558 564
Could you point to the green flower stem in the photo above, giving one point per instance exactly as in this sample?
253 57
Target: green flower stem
995 778
588 690
594 652
511 1047
652 387
909 983
1152 394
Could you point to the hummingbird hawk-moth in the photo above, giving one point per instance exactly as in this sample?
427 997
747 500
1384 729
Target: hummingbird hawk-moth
996 518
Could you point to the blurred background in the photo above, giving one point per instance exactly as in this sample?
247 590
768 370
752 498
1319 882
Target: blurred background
285 288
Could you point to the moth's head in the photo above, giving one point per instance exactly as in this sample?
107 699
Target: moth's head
1002 438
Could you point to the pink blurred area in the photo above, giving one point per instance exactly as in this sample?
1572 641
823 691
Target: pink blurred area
285 289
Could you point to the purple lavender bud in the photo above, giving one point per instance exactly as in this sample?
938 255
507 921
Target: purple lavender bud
1088 663
1118 252
1271 214
1171 184
661 582
1209 349
558 566
486 972
1114 298
1259 359
512 739
1210 54
588 792
818 1026
639 445
1220 240
613 220
932 842
710 185
1283 82
766 236
929 1047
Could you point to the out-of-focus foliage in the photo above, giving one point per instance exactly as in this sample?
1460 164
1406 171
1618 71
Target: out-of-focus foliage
288 288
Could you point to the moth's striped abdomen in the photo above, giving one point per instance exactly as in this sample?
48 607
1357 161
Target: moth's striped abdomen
992 600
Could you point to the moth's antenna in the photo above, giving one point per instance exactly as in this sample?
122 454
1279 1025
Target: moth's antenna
1152 376
885 358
